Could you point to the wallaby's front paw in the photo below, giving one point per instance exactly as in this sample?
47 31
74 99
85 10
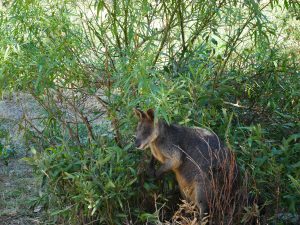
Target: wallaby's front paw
150 173
158 175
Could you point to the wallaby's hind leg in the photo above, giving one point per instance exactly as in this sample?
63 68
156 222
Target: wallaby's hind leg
201 198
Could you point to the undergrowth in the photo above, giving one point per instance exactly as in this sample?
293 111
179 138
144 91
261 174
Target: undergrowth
232 66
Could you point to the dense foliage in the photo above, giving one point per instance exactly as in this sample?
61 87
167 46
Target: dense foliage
232 66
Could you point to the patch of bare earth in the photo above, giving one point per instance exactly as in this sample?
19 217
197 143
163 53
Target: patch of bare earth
18 186
17 189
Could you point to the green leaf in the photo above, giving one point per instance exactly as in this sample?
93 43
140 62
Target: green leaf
109 185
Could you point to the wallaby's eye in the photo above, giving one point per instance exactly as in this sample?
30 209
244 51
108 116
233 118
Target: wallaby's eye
146 131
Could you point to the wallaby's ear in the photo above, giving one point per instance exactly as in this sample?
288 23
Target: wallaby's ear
150 114
139 113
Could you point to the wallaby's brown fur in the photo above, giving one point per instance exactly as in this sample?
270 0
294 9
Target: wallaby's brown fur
193 154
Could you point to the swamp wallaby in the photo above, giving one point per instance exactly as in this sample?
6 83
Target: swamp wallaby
195 155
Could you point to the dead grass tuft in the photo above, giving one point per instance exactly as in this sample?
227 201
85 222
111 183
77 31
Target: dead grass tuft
187 214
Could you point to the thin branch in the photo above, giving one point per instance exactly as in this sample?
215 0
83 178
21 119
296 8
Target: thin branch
234 41
180 9
235 105
82 117
166 33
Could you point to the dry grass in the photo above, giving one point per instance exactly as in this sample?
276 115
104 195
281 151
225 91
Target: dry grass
17 188
17 184
187 214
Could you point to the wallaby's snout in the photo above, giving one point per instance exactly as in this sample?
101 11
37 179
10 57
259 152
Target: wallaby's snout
137 143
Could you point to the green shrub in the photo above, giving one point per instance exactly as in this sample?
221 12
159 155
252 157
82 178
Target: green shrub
81 185
232 66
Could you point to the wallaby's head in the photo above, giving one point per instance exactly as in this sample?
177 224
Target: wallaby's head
146 132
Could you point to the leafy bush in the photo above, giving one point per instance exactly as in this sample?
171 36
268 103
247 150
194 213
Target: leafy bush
232 66
98 184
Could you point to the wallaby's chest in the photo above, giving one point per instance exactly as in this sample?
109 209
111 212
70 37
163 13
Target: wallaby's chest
157 153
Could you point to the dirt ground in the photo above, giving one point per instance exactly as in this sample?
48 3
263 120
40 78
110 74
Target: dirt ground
18 187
